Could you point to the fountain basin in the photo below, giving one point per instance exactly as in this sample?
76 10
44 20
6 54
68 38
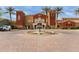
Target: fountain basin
41 32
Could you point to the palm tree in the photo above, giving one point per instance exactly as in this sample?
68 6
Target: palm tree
1 12
10 11
58 12
46 9
77 11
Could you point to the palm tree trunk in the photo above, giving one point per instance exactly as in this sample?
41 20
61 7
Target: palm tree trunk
10 17
56 21
46 12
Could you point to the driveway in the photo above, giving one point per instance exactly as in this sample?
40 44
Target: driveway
21 41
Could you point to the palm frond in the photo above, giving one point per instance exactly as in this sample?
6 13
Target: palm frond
46 9
10 11
6 12
77 11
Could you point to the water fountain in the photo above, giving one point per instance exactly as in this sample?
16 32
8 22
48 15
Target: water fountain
41 31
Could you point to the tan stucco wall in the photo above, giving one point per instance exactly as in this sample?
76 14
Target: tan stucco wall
29 19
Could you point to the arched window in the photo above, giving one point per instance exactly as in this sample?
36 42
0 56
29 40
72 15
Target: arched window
39 20
18 17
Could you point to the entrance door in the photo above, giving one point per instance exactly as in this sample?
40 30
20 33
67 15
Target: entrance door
39 22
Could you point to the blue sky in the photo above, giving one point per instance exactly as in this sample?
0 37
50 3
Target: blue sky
68 10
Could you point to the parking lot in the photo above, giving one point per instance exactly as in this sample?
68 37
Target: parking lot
21 41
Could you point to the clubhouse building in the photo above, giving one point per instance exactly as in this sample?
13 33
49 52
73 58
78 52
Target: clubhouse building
44 21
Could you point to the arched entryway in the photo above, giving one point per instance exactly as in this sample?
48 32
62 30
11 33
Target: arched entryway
39 20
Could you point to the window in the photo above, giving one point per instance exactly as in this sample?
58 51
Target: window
18 17
39 20
69 22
